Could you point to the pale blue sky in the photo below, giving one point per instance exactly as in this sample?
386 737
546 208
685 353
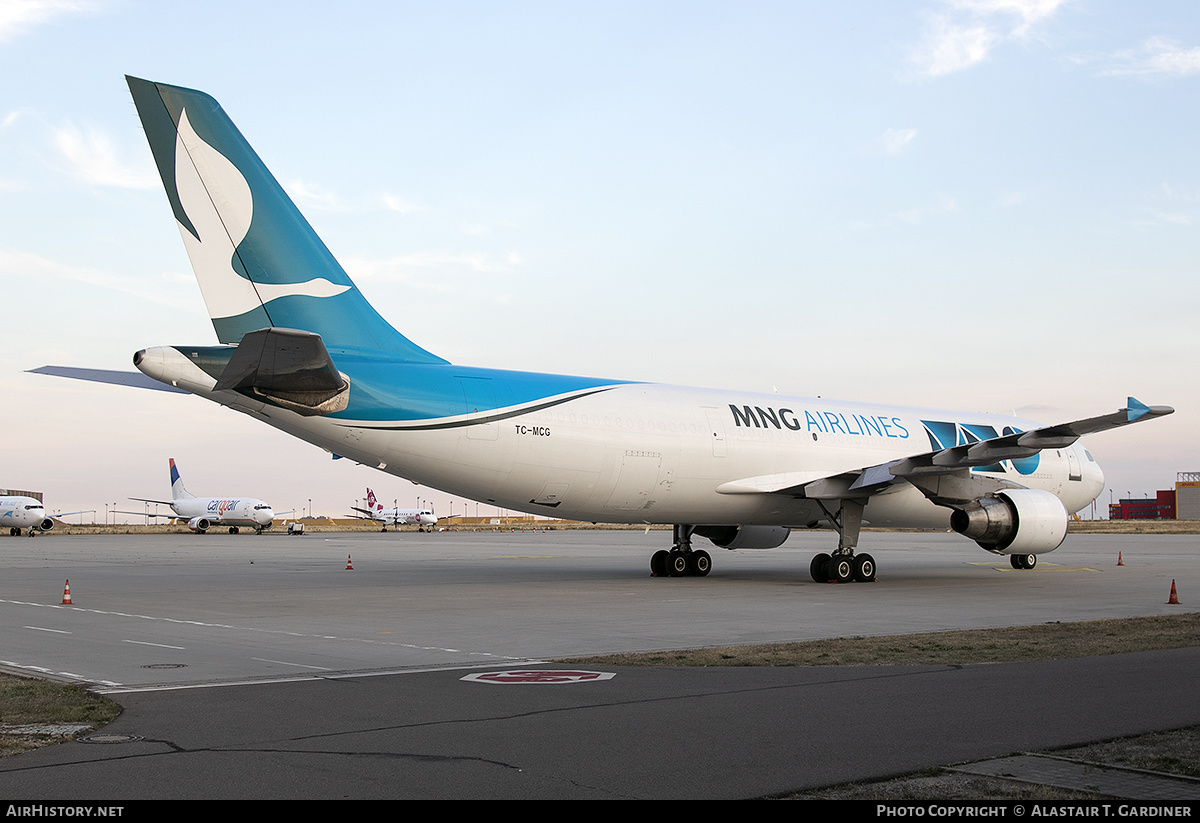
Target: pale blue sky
981 205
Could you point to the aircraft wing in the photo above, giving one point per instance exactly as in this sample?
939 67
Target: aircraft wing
870 480
147 500
143 514
119 378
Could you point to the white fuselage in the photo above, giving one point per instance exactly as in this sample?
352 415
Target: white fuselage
225 511
404 517
650 453
19 512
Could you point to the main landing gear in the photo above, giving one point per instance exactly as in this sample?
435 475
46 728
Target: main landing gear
1023 561
844 566
681 560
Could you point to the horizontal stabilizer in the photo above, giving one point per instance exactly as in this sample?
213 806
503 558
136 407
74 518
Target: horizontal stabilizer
291 367
118 378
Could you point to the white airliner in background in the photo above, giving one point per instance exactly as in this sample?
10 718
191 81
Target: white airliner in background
18 512
203 513
396 516
303 351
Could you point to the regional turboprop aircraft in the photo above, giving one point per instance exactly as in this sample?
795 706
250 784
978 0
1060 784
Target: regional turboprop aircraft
305 352
18 512
202 513
396 516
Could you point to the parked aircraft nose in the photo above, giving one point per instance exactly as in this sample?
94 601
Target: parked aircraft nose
264 516
1093 475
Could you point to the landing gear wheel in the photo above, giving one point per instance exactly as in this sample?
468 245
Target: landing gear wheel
840 569
677 564
658 563
864 568
1023 561
233 529
699 564
817 568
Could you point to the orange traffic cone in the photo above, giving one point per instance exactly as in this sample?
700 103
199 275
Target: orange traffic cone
349 567
67 594
1173 600
1120 562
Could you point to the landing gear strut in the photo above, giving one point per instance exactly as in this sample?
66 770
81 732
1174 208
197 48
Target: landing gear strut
681 560
844 566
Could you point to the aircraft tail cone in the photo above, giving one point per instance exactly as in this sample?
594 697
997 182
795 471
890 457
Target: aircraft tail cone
1173 600
66 601
1120 562
349 565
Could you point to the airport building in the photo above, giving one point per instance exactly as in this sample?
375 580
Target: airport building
22 493
1180 503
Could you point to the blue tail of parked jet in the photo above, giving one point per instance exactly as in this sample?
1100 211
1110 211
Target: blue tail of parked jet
258 261
178 492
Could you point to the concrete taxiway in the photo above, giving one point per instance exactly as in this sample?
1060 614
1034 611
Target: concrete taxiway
248 665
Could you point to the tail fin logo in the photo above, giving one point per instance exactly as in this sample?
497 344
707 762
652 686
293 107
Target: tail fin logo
219 202
371 502
178 492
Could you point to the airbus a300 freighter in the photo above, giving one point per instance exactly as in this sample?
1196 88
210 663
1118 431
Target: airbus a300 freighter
303 351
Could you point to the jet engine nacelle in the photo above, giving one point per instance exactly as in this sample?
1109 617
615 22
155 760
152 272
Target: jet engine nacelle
1014 521
46 525
745 537
199 524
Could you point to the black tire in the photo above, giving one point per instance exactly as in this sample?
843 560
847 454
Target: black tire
658 563
818 568
700 563
864 568
677 564
840 568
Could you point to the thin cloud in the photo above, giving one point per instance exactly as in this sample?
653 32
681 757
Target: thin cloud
309 196
94 160
896 141
1157 55
32 267
399 204
464 275
312 196
920 214
19 16
967 31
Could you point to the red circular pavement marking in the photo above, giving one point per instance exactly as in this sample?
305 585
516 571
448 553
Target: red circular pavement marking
538 676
